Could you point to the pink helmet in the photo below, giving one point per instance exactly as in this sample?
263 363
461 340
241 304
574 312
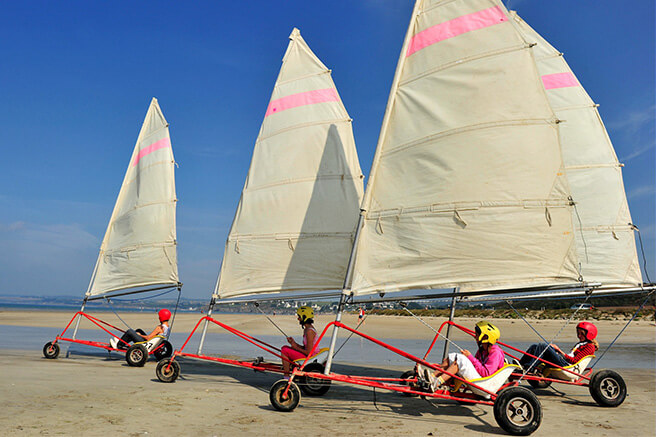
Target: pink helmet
590 330
165 315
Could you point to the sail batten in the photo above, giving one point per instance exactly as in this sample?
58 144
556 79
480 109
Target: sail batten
139 246
296 218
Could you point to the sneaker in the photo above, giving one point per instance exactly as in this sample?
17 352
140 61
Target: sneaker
420 371
113 342
435 384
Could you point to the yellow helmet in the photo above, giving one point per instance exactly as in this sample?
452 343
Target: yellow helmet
305 313
487 333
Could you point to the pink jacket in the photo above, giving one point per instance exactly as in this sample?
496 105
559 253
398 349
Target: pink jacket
488 363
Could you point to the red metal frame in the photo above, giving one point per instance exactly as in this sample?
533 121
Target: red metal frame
99 323
581 377
393 384
260 366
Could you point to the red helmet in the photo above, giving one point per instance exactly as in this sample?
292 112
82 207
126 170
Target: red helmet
590 330
165 315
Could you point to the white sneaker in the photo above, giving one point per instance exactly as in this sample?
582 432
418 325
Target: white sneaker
113 342
420 371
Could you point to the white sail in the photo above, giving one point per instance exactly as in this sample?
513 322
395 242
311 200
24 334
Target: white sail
139 248
467 188
605 240
294 226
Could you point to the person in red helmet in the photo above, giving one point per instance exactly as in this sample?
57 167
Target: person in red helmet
587 345
137 335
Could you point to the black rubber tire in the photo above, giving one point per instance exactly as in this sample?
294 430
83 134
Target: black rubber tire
293 396
169 375
518 411
136 355
51 350
314 386
410 374
164 350
607 388
538 384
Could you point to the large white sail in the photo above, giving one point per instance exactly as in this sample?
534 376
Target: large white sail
605 240
294 226
139 248
467 188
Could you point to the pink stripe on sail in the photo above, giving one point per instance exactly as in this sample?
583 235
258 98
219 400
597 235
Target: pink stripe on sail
302 99
161 144
559 80
455 27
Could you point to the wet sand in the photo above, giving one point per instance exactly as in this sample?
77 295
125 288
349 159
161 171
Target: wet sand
101 395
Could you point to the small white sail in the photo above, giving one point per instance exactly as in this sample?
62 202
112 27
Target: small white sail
605 241
467 188
139 248
294 226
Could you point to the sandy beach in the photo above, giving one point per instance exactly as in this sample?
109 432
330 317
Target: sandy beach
97 394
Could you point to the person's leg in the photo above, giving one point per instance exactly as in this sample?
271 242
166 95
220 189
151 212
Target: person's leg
545 352
289 355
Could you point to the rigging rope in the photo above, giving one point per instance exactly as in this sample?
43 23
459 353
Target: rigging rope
351 335
403 305
548 343
115 313
624 328
257 305
642 250
175 311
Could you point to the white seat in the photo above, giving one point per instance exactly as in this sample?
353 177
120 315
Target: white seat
579 367
491 383
153 342
320 357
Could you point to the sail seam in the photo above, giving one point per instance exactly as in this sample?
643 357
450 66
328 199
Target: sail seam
134 247
390 287
462 61
302 125
287 236
607 228
327 71
154 164
584 167
134 208
464 129
302 180
574 107
150 134
435 6
437 208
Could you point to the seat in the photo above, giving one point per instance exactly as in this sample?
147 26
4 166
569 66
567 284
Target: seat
320 357
579 367
491 383
153 342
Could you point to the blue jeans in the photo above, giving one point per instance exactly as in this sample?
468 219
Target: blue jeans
545 352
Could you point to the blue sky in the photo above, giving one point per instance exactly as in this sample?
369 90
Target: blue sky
76 78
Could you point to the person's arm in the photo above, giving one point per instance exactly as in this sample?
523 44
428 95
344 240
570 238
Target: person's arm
309 335
584 350
157 331
493 363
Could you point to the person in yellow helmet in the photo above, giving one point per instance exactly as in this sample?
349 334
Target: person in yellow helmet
488 359
294 351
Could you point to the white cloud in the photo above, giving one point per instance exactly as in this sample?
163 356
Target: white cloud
45 259
641 191
635 121
637 152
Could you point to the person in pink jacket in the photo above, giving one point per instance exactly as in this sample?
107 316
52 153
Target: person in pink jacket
488 359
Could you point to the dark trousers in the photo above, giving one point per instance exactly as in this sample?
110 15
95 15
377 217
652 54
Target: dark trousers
131 336
545 352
